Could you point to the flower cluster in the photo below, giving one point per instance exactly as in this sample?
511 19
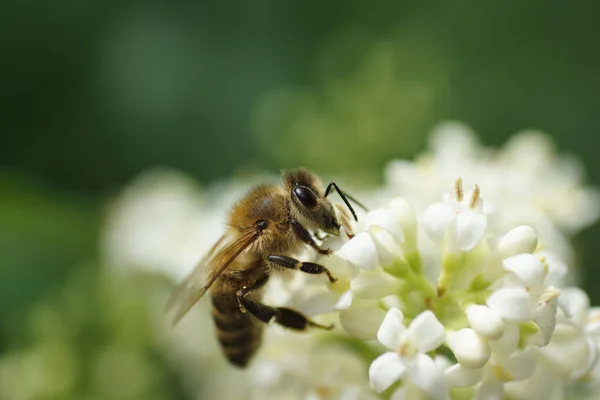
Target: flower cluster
482 310
441 292
525 182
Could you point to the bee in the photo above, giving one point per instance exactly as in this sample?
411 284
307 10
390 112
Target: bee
266 228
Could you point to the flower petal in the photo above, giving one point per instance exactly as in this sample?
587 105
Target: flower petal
527 267
545 318
345 300
386 219
520 240
570 352
338 266
399 394
427 332
490 389
520 365
361 252
405 214
511 303
391 328
485 321
431 380
557 269
470 227
509 342
385 370
436 220
406 217
374 285
362 319
469 348
458 375
387 250
576 304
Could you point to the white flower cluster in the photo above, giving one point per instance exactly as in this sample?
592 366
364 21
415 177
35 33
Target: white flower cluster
525 182
439 294
482 311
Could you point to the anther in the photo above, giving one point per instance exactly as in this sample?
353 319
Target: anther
458 189
549 295
475 197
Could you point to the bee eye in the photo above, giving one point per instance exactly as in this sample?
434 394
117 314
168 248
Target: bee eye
306 196
262 224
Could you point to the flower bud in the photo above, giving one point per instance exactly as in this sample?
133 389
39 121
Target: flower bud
361 252
522 239
485 321
469 348
462 377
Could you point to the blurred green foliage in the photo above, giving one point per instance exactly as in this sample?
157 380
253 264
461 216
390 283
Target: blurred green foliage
94 92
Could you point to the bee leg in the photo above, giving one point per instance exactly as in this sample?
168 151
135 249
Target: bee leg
281 315
307 267
304 235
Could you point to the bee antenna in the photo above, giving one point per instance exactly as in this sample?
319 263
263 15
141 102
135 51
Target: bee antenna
345 196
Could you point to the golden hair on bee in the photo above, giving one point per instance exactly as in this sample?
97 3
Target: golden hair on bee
266 228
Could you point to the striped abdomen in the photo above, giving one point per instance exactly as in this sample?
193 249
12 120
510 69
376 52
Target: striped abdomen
239 333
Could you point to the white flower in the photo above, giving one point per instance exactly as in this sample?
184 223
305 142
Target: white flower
318 371
505 365
407 356
459 219
516 367
573 348
570 355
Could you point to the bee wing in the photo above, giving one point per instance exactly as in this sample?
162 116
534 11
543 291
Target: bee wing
195 285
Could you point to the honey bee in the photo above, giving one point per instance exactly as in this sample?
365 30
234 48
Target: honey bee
265 228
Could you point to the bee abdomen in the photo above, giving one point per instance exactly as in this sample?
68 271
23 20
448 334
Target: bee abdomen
239 335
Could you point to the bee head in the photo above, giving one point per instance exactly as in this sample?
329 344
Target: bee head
308 203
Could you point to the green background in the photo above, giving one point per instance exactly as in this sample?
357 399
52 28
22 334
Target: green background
93 92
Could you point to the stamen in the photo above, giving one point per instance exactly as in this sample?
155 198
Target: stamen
458 189
544 264
549 295
502 374
406 347
475 197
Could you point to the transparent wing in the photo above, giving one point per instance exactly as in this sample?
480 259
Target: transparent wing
205 273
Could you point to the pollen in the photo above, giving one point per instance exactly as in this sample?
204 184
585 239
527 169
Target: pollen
458 190
549 295
324 392
406 347
475 197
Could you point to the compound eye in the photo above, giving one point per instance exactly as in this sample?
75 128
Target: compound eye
306 196
262 225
